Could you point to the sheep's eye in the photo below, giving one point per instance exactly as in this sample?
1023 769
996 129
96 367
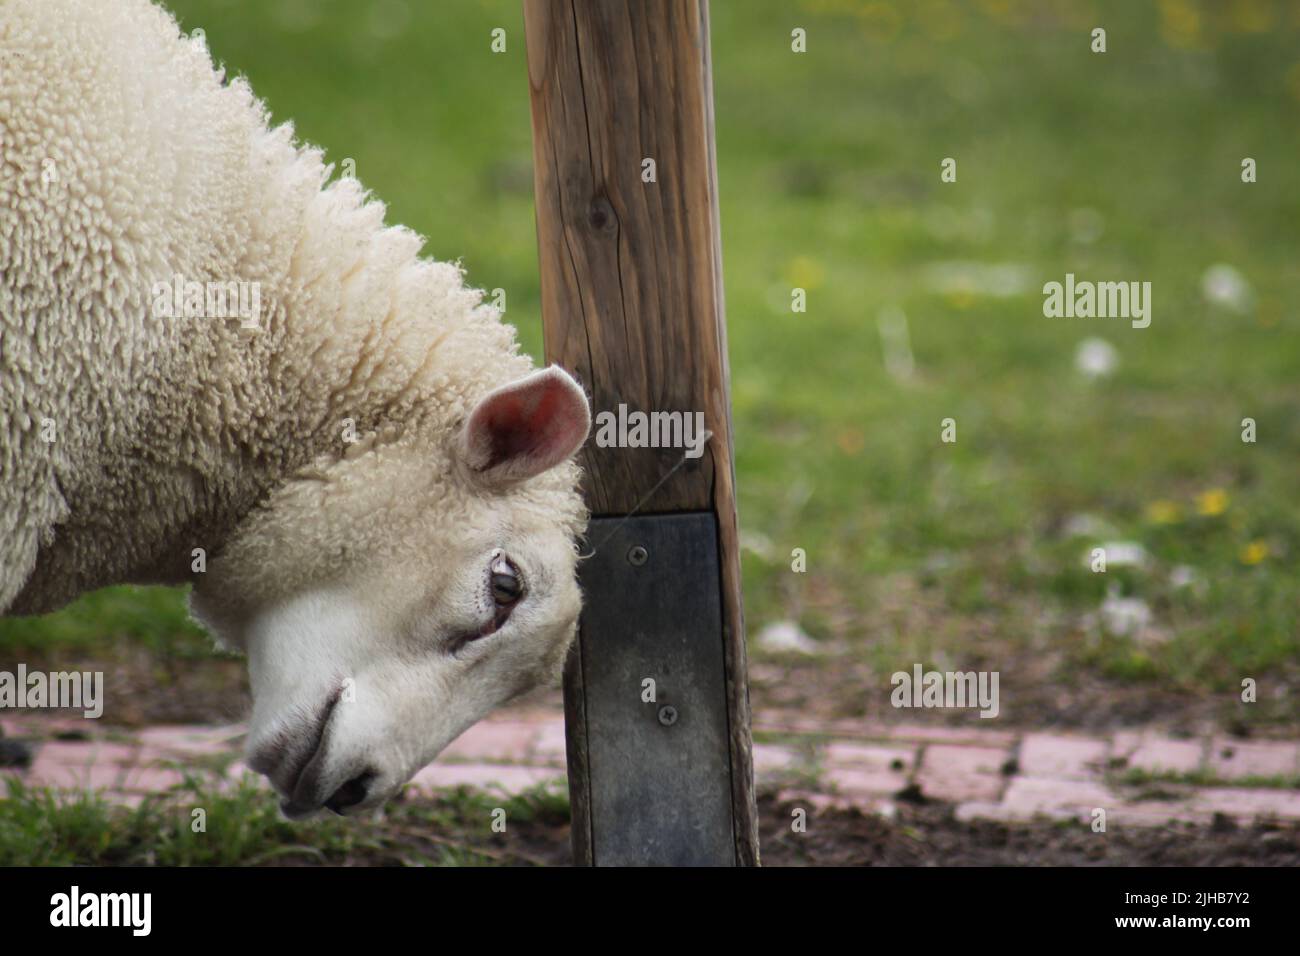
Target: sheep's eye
507 588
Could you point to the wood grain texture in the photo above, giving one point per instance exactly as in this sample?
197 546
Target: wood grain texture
631 276
575 746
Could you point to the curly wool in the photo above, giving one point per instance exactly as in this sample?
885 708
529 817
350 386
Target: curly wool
128 438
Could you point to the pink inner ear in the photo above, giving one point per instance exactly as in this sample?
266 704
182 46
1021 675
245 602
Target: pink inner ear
528 426
516 423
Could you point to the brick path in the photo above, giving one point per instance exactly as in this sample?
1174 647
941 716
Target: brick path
1140 778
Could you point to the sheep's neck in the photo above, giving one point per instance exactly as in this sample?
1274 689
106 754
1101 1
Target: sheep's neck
157 509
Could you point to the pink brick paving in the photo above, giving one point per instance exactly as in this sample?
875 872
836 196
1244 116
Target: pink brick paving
992 774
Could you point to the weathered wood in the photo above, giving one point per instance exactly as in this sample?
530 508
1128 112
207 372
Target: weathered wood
575 748
631 281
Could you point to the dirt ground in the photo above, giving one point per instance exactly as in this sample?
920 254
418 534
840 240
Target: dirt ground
1028 700
928 835
148 689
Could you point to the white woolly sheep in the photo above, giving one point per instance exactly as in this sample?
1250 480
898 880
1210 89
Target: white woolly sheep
389 590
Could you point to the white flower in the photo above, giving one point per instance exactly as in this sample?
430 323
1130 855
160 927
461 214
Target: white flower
1124 616
786 637
1225 286
758 543
1096 358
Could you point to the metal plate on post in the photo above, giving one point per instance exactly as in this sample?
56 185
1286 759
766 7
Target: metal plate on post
659 772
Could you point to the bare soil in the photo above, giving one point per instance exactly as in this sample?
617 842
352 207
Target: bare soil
928 835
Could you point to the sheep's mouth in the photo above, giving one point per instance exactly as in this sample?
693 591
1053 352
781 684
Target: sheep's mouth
296 775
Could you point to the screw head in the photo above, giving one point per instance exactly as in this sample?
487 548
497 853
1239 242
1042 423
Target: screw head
637 556
667 715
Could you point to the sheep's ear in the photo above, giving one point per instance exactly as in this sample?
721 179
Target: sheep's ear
526 427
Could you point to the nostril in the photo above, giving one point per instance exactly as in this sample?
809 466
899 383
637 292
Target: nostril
351 793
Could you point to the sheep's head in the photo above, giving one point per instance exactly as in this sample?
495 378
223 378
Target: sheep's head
395 598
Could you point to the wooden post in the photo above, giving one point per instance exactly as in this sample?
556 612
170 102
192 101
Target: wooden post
632 303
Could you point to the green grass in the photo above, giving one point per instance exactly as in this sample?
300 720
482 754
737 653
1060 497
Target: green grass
829 177
1206 778
202 824
156 618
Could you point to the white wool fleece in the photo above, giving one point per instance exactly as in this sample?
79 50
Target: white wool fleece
129 439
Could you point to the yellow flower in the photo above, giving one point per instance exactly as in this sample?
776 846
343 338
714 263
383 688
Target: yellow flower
961 299
1163 512
1250 16
1180 24
1254 552
1212 502
805 273
1004 11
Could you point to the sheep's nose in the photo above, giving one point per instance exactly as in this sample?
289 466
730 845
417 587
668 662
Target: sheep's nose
351 793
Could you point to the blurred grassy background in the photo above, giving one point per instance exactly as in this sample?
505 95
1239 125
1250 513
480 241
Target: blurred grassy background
1116 166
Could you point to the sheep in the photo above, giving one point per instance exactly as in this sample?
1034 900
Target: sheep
220 367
